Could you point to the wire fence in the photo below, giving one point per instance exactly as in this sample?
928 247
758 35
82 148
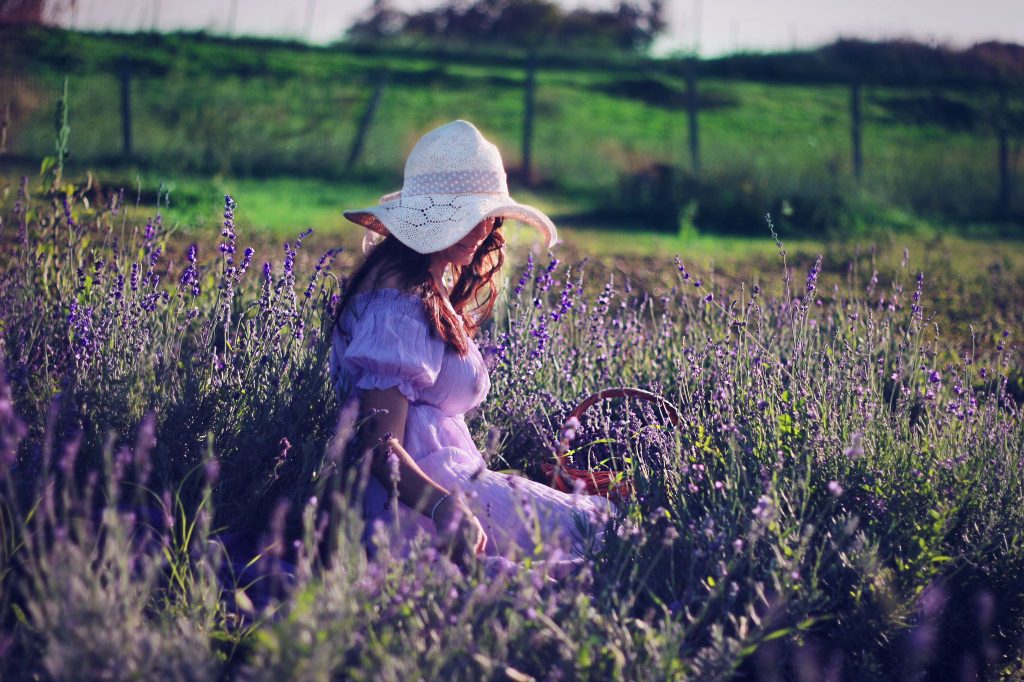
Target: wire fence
629 138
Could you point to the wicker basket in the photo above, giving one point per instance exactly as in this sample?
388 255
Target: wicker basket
601 483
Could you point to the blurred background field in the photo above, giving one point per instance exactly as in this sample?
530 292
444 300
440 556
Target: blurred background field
856 150
307 131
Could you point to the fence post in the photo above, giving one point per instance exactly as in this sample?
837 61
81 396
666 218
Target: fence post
366 121
1003 131
126 108
529 94
855 129
693 108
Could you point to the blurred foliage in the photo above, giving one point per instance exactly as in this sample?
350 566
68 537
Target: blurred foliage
629 26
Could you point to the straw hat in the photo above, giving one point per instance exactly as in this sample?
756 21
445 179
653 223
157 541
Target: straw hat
454 178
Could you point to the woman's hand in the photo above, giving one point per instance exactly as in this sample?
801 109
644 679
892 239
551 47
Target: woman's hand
460 530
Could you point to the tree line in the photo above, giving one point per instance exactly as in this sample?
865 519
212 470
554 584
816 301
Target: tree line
627 26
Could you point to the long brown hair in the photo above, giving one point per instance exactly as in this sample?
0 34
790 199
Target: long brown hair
413 269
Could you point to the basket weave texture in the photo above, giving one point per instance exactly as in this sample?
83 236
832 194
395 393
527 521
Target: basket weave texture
602 483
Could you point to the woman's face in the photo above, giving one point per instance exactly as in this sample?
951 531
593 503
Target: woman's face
461 252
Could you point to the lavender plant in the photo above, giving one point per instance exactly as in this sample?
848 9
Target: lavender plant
820 465
175 503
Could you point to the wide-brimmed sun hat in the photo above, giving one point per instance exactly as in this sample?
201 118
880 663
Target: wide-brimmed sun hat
454 179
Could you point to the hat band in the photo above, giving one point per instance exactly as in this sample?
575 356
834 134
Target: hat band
456 182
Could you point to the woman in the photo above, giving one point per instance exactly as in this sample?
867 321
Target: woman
403 343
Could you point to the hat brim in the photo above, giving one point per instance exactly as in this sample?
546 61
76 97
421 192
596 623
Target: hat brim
427 224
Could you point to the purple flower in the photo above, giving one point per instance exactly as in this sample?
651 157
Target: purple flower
856 448
812 275
545 280
318 269
565 304
834 489
228 232
539 332
670 536
83 339
915 307
211 472
67 213
190 275
246 260
526 274
289 261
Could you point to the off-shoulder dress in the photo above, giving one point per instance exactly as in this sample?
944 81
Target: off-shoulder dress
384 339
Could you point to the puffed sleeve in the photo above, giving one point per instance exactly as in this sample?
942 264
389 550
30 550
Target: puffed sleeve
390 344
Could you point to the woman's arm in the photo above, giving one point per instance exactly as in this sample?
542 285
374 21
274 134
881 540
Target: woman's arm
455 521
415 488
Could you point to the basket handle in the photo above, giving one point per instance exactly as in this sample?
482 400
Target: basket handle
594 398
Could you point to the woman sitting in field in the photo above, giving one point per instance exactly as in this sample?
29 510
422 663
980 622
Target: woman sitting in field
403 344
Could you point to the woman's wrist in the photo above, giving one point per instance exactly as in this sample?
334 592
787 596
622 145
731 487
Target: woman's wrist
439 503
445 502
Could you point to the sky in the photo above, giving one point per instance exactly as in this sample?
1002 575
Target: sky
714 27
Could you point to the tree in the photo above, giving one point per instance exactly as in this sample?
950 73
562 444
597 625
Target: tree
630 26
36 12
382 20
21 11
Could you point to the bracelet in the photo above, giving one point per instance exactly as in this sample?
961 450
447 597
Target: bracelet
436 505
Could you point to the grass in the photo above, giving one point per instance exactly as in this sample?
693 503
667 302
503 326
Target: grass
282 206
273 111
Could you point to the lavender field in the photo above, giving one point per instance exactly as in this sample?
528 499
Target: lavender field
842 498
